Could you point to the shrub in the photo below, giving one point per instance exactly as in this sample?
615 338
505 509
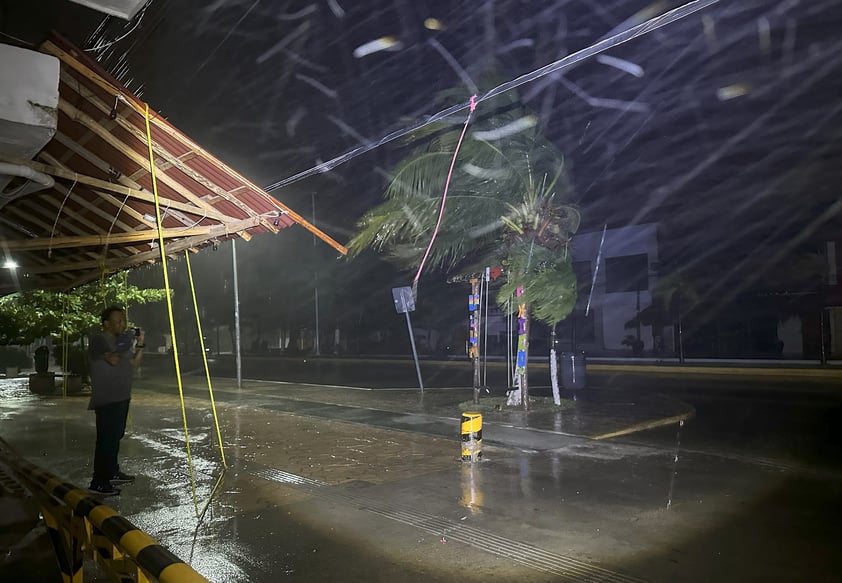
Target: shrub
12 356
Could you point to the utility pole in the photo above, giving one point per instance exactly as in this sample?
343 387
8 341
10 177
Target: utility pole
316 347
237 355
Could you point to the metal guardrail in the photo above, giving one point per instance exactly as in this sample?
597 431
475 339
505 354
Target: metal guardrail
82 527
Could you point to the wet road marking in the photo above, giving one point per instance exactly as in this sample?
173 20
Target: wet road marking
320 385
309 384
644 425
567 568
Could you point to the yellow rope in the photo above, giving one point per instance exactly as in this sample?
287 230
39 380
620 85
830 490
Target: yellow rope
205 360
66 349
169 307
126 293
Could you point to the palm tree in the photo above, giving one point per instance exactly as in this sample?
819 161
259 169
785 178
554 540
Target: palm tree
507 205
673 296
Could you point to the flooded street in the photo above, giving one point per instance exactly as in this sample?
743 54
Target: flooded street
332 492
387 211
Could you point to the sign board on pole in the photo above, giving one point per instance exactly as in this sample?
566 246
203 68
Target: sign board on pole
404 302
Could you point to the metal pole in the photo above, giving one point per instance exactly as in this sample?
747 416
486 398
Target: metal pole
316 346
596 270
414 352
237 356
509 366
821 332
487 279
680 328
476 321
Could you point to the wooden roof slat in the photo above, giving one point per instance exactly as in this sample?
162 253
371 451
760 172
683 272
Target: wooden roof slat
131 154
103 189
74 63
170 161
171 248
116 188
118 238
111 199
124 180
40 240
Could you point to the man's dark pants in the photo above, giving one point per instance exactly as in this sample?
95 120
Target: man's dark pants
110 428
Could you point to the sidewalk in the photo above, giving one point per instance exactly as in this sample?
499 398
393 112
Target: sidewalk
593 414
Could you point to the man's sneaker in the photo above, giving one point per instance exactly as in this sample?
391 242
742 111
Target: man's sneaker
104 490
121 478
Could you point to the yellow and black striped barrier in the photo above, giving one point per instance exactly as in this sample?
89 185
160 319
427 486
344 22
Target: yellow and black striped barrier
80 526
471 436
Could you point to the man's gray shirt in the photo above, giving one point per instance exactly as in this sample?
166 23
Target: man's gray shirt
109 384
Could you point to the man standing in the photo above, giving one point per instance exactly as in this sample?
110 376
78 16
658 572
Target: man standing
112 364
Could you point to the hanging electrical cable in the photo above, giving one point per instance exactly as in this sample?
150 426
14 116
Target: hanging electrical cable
557 66
444 195
55 222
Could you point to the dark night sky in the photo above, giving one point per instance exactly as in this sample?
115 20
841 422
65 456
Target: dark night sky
725 126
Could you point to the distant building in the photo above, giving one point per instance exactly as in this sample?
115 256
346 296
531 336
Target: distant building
623 287
625 277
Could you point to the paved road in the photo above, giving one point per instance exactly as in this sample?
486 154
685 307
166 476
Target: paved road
309 497
773 420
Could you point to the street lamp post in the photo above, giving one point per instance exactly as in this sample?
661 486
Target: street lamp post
316 347
238 359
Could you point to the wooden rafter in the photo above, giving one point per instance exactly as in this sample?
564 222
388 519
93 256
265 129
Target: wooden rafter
122 238
111 199
89 226
120 146
172 248
120 205
169 161
118 189
162 125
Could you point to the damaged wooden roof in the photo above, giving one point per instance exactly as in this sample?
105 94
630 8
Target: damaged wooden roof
99 216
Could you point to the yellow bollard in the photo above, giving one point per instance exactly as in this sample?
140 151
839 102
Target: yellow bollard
471 436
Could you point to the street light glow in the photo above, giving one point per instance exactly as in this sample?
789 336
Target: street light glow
10 264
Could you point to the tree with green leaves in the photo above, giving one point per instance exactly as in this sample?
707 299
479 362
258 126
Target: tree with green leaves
29 315
508 205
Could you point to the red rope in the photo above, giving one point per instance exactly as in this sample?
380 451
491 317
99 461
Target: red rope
446 187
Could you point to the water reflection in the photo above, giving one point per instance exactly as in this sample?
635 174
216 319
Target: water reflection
472 493
674 472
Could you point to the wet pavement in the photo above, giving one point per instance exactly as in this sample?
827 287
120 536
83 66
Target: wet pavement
352 483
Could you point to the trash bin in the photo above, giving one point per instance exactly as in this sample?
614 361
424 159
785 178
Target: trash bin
42 359
573 370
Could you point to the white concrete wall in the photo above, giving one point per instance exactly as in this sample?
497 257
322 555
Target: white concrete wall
28 101
789 332
613 310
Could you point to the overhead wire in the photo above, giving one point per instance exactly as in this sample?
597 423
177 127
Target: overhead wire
556 66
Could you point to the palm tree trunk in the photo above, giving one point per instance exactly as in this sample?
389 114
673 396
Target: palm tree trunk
473 333
524 381
554 370
518 395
